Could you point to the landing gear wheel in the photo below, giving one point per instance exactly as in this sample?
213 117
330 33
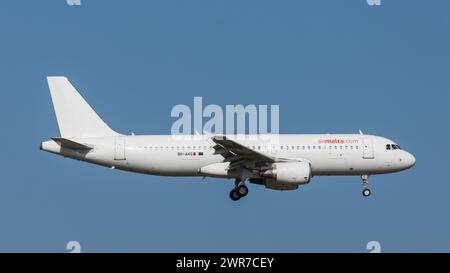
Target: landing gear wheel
366 192
365 185
234 195
242 190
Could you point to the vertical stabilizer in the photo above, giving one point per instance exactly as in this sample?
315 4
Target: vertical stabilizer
75 117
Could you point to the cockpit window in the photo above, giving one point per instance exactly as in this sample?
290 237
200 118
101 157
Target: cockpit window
392 147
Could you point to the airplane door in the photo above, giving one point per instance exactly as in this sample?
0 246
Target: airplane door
368 148
119 150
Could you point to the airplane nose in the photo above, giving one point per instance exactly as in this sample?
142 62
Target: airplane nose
410 160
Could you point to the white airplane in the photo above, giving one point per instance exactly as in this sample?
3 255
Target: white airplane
285 166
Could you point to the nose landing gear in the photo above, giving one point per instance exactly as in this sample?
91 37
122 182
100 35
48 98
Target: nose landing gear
365 184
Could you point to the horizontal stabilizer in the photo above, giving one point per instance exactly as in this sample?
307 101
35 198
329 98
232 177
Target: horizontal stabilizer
67 143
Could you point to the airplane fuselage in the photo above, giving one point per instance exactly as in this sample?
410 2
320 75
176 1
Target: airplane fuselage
328 154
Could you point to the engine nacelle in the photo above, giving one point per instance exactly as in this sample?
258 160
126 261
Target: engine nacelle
293 173
219 170
215 170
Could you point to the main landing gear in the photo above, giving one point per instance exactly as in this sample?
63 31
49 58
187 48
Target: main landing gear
240 190
366 191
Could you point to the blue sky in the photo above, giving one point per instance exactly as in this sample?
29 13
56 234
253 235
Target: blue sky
332 66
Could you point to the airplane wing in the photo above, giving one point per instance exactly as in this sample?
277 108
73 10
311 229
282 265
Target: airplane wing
237 154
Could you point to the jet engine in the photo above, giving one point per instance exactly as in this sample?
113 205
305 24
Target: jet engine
287 175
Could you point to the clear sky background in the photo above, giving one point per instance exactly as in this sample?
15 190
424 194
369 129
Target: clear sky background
333 66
